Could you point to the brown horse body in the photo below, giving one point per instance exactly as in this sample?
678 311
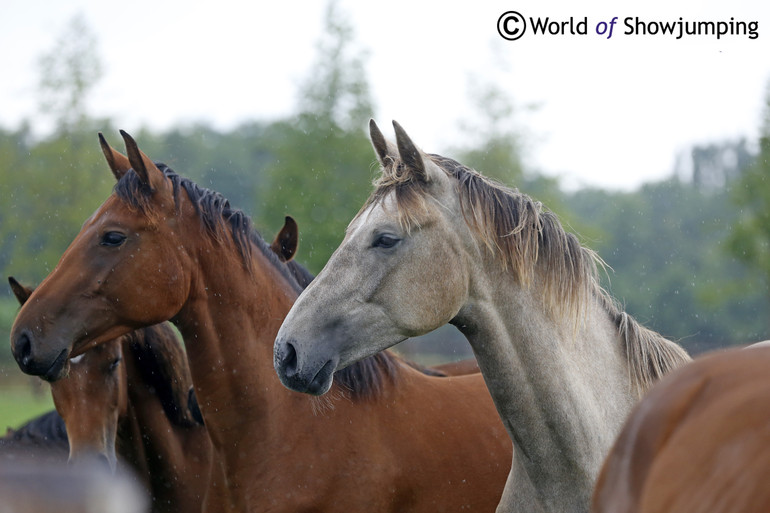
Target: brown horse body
43 438
459 368
696 443
129 397
388 438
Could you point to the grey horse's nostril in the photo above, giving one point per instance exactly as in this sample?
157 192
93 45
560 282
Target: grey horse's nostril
289 360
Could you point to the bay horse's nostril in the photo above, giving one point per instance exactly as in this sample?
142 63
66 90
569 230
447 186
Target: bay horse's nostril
23 350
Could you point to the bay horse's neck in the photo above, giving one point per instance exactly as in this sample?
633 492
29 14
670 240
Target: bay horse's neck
228 325
561 390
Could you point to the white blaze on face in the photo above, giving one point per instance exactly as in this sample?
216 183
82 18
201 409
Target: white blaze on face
77 359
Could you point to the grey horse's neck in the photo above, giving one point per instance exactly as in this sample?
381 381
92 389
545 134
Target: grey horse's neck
562 390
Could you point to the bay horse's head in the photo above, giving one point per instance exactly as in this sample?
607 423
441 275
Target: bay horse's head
92 398
125 269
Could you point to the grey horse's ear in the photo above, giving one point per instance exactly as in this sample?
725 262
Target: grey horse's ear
118 162
385 150
410 155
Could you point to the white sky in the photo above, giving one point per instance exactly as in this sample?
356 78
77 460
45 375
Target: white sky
612 113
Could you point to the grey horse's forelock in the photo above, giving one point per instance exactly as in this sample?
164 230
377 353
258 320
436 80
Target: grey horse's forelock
528 239
509 224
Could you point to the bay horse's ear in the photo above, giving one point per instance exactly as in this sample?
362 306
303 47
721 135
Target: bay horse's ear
410 154
21 292
118 162
145 168
285 243
385 150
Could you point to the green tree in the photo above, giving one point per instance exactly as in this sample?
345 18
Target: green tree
68 73
750 239
323 161
495 144
335 95
666 246
53 184
231 162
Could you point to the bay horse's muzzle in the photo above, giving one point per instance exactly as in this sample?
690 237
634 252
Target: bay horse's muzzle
49 366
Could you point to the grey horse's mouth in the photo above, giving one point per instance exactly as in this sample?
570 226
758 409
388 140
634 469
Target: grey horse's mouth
320 382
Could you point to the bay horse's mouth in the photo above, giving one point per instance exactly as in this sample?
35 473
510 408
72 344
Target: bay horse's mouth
57 368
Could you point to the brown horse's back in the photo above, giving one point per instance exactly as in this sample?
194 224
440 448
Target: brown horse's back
457 451
460 368
470 443
697 442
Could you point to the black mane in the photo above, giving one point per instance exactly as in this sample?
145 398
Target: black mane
46 430
214 211
362 379
162 364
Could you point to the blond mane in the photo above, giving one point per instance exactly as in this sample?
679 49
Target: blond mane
527 239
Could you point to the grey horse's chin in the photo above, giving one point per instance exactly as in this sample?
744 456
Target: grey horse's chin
313 384
322 381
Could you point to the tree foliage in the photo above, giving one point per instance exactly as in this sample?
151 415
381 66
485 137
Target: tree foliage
322 164
667 245
690 255
750 240
68 73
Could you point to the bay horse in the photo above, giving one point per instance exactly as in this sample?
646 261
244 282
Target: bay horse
129 397
388 437
437 242
43 438
697 442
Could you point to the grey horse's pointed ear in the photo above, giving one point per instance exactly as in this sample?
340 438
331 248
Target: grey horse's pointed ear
118 162
385 150
410 155
145 168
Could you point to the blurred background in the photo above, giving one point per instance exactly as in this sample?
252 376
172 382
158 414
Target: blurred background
653 150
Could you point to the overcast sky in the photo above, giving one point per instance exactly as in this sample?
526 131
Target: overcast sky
610 112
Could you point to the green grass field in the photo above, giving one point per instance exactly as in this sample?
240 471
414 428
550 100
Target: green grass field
21 397
21 402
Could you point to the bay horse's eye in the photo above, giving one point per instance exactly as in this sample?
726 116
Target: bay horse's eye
113 239
385 241
114 364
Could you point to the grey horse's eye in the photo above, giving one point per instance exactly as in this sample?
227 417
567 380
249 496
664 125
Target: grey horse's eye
385 241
